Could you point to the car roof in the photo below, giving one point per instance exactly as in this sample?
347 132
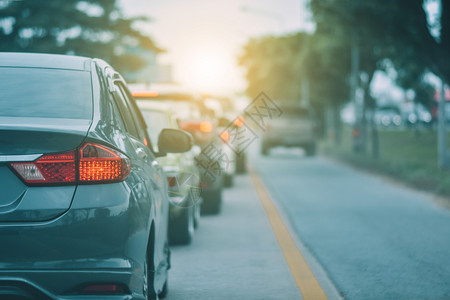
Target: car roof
38 60
155 106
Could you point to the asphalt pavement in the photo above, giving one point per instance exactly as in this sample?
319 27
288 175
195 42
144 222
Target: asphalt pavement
234 255
362 236
375 239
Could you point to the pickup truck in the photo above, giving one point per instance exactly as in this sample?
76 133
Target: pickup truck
294 128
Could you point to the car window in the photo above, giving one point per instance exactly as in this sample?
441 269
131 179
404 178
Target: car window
125 111
116 116
45 93
137 118
156 122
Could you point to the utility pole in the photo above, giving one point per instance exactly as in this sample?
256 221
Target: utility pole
443 161
354 83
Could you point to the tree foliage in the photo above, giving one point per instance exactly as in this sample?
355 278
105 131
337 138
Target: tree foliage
394 31
388 34
283 66
272 66
94 28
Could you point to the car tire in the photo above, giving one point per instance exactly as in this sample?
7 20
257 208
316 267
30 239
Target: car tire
149 276
197 209
212 202
310 149
181 229
164 290
241 167
145 279
228 180
265 149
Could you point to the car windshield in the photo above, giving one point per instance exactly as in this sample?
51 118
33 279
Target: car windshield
45 93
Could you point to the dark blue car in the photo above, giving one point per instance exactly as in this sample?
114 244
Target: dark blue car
83 202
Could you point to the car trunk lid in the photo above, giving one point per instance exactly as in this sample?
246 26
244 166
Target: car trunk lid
25 140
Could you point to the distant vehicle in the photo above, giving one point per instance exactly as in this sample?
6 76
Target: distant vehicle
194 117
388 116
84 205
416 114
296 127
218 109
182 173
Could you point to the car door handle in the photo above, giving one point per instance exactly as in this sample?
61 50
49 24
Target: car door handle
141 152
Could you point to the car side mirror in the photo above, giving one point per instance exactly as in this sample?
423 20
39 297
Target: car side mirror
174 141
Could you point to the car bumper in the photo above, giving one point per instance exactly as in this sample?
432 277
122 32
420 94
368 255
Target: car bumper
101 238
48 284
287 141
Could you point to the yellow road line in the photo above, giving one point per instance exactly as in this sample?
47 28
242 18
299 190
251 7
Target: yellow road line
306 281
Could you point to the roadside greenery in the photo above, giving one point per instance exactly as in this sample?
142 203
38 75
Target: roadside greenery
406 156
393 35
353 39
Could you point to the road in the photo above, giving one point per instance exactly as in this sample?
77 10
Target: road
362 236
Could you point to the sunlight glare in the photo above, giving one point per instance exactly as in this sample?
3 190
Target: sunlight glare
208 68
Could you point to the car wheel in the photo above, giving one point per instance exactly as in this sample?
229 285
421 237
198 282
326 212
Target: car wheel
150 292
197 208
265 149
212 202
240 163
181 230
149 280
310 149
164 290
145 281
228 180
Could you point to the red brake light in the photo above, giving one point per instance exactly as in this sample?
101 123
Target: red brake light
100 163
53 168
225 136
95 163
172 181
239 121
206 127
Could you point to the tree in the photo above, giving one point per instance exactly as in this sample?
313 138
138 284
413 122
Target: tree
396 32
278 65
326 63
94 28
272 65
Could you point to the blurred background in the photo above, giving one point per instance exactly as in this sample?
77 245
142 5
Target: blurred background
373 74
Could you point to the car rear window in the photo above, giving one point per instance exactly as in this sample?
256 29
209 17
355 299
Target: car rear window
45 93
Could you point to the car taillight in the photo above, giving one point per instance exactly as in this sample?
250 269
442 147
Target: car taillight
52 168
94 164
206 127
172 181
225 136
239 121
100 163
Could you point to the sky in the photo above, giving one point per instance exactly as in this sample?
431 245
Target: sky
203 38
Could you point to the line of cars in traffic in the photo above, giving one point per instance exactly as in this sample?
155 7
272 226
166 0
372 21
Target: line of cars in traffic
94 184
